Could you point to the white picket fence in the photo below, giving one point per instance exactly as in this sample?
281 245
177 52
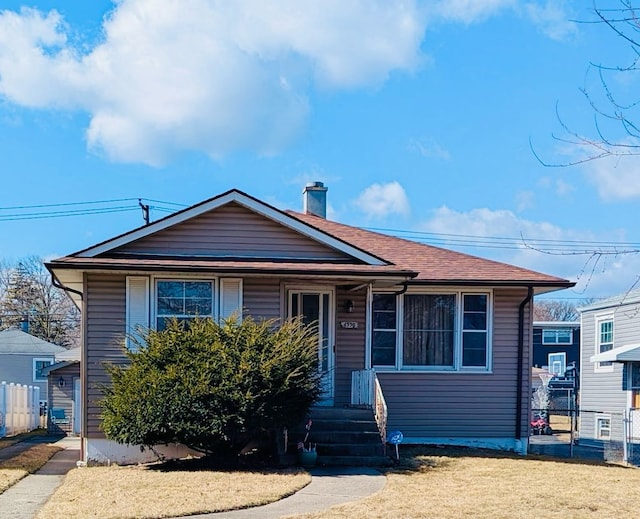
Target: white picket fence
19 409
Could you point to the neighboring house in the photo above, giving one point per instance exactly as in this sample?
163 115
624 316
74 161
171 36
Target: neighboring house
556 345
610 374
64 392
23 358
448 334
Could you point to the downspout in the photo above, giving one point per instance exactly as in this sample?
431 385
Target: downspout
519 391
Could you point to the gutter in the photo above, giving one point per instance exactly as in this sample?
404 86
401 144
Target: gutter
519 390
56 283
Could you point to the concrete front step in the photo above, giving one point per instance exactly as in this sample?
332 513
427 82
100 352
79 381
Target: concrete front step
342 436
328 436
349 413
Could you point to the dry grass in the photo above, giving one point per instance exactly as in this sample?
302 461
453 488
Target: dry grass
448 484
28 462
139 492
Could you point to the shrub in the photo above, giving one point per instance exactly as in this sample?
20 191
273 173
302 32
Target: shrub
212 387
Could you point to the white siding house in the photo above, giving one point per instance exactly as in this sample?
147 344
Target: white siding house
610 385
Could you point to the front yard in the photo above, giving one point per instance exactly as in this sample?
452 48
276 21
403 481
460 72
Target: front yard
451 484
429 483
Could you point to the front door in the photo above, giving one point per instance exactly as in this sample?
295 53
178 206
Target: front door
317 307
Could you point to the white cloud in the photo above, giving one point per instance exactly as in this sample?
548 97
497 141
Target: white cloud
381 200
558 185
429 148
552 18
200 75
539 246
469 11
525 200
615 178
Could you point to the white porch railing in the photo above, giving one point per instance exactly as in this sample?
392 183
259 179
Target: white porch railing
367 391
19 409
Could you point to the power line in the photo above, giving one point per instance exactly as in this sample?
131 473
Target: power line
34 215
39 206
513 243
545 245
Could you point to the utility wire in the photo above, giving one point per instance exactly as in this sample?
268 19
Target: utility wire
550 246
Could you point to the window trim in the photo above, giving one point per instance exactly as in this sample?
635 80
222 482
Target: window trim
598 429
557 343
603 367
50 360
458 332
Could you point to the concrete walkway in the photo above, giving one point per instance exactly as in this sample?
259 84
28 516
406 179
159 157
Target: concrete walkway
24 499
329 486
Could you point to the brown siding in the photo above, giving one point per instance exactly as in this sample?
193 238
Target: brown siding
463 404
105 318
232 231
350 343
261 298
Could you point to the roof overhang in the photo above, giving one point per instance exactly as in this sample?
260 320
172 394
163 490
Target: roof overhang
627 353
58 365
539 287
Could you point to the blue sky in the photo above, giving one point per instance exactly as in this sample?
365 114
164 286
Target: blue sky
418 116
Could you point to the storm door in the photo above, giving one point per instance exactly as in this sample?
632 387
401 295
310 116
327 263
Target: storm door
317 308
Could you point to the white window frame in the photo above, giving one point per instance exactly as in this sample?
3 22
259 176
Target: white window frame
603 367
556 332
34 370
563 362
598 426
458 331
215 295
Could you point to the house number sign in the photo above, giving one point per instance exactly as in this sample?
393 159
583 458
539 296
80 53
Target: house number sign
348 324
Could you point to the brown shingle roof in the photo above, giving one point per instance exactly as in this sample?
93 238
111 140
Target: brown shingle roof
433 264
187 264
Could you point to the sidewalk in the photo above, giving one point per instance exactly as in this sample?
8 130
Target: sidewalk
329 486
25 498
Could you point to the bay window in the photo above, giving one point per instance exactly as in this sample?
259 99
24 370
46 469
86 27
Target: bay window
430 331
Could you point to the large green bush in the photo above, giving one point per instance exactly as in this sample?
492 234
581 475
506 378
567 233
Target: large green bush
212 387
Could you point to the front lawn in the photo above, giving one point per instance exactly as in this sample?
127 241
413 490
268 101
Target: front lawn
451 484
145 491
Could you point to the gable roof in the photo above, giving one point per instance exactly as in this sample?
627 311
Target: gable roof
17 342
628 298
373 255
241 198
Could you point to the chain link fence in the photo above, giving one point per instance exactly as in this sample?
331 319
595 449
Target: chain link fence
600 434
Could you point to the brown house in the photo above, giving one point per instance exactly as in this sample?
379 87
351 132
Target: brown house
444 336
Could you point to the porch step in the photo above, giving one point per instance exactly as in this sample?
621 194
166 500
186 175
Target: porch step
342 436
